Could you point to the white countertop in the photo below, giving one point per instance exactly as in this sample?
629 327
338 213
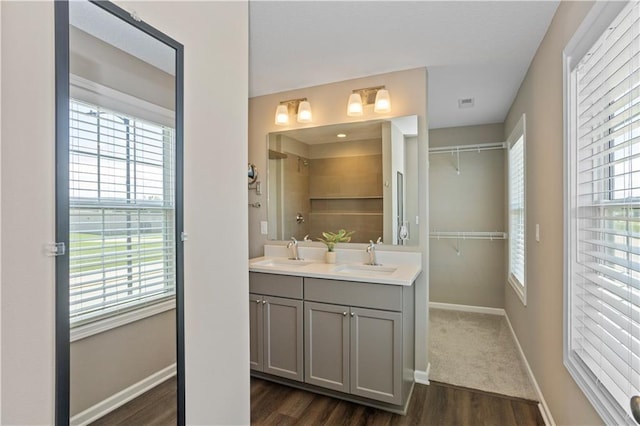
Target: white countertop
402 272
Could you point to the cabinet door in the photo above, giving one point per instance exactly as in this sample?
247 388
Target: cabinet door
376 354
326 346
283 338
255 332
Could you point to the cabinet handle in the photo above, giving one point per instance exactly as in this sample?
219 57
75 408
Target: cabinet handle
344 314
352 314
264 301
258 301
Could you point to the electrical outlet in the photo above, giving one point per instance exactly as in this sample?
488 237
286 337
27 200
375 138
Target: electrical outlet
264 230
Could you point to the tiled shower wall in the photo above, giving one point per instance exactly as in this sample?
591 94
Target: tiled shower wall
346 193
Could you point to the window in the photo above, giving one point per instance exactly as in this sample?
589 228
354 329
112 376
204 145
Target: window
517 222
602 210
122 213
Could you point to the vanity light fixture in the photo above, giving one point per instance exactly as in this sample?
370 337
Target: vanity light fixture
378 96
304 112
354 106
300 106
282 115
383 102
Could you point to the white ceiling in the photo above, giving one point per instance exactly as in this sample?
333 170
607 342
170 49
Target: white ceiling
477 49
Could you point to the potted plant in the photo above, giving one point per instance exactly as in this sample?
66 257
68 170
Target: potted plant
331 239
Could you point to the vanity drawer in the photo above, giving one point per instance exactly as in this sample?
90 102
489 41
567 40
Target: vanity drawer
353 293
275 285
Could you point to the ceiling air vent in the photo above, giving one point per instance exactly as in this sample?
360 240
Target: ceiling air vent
465 103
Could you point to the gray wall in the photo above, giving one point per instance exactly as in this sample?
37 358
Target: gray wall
539 325
473 200
106 363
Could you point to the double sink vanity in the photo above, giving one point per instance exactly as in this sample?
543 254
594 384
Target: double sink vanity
344 329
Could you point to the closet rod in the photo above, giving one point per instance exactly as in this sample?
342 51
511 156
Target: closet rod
468 235
467 148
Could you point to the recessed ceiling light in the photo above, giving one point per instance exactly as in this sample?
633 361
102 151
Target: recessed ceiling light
341 135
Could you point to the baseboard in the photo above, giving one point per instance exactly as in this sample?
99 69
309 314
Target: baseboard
542 405
467 308
422 377
106 406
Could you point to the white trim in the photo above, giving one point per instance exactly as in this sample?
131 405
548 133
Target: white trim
518 131
106 406
600 16
542 405
422 377
106 324
518 288
467 308
597 21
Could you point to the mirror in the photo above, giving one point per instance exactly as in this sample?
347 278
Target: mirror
361 177
118 211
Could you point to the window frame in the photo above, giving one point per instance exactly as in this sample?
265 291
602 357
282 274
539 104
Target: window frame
518 132
599 18
84 90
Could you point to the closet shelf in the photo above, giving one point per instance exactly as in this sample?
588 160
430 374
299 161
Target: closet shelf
467 148
357 197
347 213
466 235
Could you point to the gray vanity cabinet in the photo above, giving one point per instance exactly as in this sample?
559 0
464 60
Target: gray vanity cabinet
376 354
276 331
326 348
354 350
354 339
359 338
255 331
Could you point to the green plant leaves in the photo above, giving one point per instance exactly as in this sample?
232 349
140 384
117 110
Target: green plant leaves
332 238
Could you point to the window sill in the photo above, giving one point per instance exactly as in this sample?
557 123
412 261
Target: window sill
106 324
519 289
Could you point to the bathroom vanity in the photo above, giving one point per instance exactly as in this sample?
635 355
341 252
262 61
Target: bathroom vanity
345 329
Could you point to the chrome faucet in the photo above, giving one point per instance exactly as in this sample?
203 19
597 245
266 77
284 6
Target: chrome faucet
371 251
293 245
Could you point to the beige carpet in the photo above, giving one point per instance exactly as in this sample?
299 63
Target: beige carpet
476 351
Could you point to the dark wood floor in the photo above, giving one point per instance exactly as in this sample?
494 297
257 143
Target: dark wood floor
273 404
154 407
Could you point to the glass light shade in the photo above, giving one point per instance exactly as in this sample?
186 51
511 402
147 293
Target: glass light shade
354 106
383 102
304 112
282 115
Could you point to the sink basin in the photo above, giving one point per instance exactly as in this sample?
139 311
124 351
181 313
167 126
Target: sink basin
283 262
365 270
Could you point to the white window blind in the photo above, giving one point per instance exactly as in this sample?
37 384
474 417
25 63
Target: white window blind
603 341
122 213
517 222
516 210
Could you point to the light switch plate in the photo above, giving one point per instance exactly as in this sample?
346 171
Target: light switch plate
264 230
